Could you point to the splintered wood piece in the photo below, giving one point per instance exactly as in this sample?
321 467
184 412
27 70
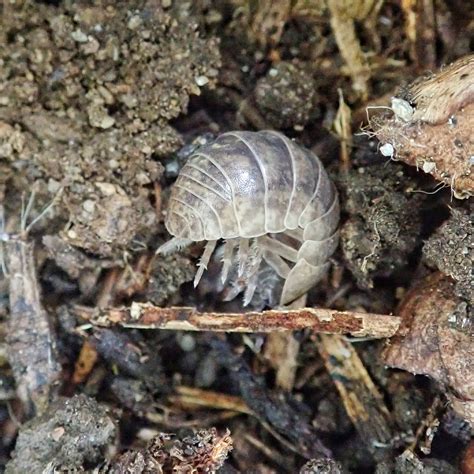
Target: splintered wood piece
148 316
85 362
363 402
196 397
31 340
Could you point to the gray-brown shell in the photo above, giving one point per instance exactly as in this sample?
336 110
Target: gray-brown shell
265 194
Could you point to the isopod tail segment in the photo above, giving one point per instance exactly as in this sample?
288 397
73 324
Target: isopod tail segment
320 240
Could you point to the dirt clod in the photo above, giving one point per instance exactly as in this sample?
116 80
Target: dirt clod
451 250
321 466
385 221
286 96
73 434
90 92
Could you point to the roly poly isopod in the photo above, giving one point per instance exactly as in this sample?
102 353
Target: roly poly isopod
265 194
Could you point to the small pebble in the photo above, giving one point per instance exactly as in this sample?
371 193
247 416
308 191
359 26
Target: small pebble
201 80
387 150
187 342
134 22
79 36
89 205
107 188
273 72
428 166
402 109
114 164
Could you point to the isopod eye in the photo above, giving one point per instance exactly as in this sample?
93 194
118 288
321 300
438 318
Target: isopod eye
177 226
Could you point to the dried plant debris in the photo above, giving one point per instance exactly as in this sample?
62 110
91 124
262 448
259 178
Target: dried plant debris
384 222
167 274
429 344
451 250
344 14
432 126
321 466
203 452
285 320
268 18
88 91
286 96
288 420
419 27
73 435
129 354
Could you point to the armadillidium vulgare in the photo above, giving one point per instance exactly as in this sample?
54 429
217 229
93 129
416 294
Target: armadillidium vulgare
262 193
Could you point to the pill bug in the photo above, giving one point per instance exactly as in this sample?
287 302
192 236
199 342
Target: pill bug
262 194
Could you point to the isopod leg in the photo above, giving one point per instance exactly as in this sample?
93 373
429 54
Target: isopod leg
255 260
243 255
3 238
279 248
232 291
277 263
204 260
229 247
296 234
173 245
251 287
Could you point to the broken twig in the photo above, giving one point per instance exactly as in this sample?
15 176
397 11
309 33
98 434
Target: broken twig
148 316
363 402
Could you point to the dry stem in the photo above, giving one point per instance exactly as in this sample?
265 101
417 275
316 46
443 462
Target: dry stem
147 316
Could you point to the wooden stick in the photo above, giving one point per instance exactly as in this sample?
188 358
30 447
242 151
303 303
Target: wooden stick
363 402
147 316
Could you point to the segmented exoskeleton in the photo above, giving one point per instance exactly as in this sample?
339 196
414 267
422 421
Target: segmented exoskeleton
262 193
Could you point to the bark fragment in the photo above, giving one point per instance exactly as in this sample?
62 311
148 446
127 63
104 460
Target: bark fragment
429 344
432 126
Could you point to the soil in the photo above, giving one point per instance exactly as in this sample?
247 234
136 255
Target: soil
101 104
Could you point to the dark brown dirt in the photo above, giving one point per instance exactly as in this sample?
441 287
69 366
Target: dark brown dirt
73 433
